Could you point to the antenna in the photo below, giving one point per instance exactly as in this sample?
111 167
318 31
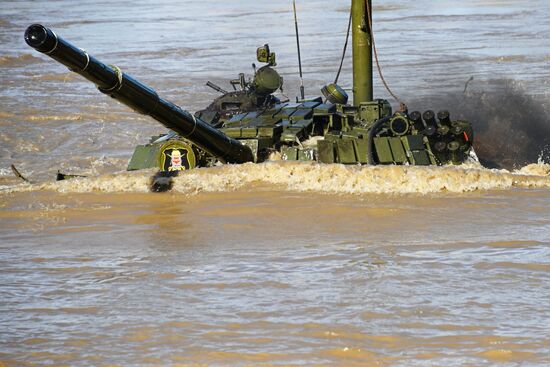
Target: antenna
302 91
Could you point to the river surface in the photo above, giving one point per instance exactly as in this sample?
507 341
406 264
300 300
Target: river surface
278 264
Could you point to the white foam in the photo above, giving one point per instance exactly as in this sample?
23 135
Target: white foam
6 172
316 177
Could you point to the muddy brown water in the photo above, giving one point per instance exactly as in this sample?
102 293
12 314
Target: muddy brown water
280 264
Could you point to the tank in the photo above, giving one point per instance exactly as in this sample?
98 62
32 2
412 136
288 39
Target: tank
250 124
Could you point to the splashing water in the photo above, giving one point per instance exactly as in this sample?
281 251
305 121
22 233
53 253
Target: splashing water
315 177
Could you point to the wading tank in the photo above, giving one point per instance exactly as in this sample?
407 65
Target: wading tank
248 123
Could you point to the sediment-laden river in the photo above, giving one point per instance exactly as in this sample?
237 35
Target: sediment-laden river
294 264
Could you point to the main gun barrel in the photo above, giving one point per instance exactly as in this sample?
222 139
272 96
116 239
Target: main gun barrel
113 82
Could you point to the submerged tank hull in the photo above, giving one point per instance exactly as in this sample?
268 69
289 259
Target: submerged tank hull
250 124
